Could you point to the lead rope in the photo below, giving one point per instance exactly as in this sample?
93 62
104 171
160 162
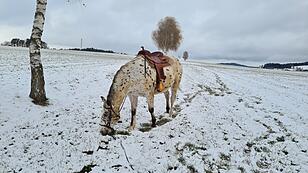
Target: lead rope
130 165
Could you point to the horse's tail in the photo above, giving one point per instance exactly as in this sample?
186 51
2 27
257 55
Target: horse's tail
179 71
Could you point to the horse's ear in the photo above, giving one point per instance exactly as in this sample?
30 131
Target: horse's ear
103 99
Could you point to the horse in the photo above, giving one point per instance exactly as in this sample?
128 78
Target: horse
137 78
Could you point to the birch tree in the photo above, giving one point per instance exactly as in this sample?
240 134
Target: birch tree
168 34
37 92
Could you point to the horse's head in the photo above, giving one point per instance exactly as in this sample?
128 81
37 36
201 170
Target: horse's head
109 118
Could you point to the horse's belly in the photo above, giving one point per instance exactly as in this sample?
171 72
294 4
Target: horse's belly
137 93
143 85
139 90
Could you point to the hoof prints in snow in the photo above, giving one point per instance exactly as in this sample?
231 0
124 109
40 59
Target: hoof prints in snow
191 154
145 127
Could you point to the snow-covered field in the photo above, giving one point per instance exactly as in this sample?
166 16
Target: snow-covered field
228 119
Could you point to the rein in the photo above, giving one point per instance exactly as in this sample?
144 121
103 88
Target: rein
111 108
117 114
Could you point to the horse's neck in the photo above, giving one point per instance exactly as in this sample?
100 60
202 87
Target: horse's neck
118 90
116 101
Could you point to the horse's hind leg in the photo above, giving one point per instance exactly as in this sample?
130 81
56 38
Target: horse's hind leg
167 95
150 100
174 90
133 101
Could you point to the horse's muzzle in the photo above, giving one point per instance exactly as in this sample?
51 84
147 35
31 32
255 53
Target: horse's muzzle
107 130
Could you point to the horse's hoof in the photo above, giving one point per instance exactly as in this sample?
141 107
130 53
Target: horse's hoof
171 114
131 128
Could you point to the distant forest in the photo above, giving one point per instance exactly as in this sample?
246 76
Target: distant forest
283 66
17 42
92 50
236 64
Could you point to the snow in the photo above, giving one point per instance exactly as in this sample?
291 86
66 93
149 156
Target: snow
228 119
303 67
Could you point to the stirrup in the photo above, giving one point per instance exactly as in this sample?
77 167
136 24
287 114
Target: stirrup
160 86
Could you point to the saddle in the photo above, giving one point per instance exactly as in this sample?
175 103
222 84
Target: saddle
159 61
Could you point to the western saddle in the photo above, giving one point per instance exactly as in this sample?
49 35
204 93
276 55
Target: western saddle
159 61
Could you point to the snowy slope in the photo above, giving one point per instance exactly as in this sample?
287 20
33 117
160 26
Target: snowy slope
228 119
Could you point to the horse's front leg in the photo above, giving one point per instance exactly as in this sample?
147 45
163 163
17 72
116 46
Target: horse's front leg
133 102
150 100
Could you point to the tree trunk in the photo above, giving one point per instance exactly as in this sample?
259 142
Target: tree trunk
37 92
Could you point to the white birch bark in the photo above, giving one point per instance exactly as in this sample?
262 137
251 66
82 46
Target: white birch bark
37 92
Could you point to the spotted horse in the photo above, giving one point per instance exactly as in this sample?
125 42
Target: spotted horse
146 75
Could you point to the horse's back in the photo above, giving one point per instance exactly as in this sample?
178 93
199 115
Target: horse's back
143 76
176 66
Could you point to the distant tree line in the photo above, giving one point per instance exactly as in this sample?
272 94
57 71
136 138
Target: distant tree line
16 42
283 66
92 50
95 50
236 64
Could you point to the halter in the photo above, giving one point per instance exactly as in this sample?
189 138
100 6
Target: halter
107 125
111 108
110 116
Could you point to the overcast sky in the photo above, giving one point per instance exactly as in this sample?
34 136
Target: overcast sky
261 30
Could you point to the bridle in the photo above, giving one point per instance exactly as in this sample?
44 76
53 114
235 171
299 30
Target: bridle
108 121
111 110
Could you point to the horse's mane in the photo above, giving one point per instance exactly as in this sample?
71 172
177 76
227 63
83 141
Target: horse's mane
111 89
